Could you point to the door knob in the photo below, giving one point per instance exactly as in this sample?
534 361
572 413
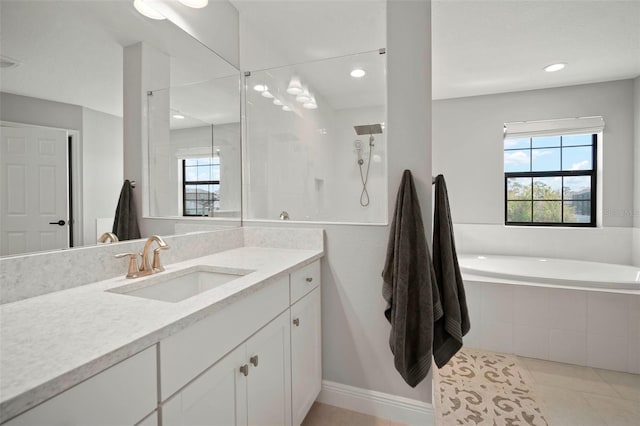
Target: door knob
296 322
254 360
59 223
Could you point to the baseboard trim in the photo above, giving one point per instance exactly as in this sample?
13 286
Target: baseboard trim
379 404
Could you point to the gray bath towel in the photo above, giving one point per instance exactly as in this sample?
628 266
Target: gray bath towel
409 288
454 324
125 224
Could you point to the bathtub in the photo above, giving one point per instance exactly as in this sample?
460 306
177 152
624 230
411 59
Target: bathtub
576 312
561 272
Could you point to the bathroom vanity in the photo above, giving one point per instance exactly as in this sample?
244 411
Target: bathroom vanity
246 351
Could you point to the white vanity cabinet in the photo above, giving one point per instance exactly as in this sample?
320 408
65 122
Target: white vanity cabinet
306 354
249 386
121 395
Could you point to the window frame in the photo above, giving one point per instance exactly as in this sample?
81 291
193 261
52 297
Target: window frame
593 173
186 182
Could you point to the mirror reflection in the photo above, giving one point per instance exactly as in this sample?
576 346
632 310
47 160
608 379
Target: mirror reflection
62 116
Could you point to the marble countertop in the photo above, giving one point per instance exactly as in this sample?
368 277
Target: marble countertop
52 342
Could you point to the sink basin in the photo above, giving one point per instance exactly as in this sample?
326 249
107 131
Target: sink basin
180 285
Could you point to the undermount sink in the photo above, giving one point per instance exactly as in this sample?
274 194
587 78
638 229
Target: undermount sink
181 285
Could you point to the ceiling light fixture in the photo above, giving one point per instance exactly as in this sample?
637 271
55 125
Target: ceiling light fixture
143 7
311 103
358 73
196 4
554 67
260 87
286 108
304 96
267 94
178 116
295 87
277 101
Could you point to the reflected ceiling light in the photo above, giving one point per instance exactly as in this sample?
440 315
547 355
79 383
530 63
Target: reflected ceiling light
178 116
304 96
196 4
311 103
286 108
295 87
143 7
554 67
267 94
277 101
357 73
260 87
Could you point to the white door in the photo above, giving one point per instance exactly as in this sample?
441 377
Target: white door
34 205
216 398
306 354
269 378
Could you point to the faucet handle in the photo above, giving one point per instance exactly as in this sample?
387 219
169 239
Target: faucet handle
157 266
134 270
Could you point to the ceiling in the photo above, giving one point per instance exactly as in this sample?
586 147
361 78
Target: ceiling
479 47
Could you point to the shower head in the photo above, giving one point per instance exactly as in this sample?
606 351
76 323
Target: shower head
368 129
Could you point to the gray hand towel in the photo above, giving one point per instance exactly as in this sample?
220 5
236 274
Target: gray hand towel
409 288
125 224
454 324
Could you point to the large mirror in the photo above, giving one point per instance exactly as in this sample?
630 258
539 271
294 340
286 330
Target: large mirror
62 121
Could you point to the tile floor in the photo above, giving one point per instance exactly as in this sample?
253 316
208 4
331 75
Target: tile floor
585 396
571 396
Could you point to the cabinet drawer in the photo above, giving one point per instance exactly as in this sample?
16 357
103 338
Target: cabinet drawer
189 352
304 280
121 395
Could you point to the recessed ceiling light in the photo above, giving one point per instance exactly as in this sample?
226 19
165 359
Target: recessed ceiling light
286 108
259 87
295 87
554 67
178 116
196 4
358 73
267 94
277 101
143 7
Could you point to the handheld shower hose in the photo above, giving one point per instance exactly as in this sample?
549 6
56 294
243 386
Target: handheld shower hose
364 178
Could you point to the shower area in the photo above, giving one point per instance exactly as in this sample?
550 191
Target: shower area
316 147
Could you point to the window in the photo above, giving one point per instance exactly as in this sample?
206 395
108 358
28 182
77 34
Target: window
550 180
200 186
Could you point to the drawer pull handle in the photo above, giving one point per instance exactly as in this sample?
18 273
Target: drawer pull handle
296 322
245 370
309 279
254 360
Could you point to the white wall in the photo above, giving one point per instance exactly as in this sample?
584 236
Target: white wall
468 151
636 172
102 162
355 332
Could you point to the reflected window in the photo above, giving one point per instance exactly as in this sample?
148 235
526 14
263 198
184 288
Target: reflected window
200 186
550 180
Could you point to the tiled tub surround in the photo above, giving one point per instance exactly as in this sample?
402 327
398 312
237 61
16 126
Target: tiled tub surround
54 341
40 273
590 327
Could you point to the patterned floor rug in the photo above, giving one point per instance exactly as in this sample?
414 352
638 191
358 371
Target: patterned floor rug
485 389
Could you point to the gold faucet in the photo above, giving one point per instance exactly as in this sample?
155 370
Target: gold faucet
145 268
157 266
108 237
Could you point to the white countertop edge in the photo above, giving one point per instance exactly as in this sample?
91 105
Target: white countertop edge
17 402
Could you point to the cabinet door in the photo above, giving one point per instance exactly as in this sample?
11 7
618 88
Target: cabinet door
216 398
269 379
306 354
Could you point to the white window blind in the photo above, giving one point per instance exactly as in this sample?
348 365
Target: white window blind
564 126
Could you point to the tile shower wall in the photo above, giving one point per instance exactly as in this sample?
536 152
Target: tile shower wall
590 328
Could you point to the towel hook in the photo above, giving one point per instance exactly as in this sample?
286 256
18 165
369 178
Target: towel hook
133 183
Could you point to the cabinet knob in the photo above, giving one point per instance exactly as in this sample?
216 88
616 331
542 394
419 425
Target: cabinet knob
296 322
254 360
245 370
309 279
